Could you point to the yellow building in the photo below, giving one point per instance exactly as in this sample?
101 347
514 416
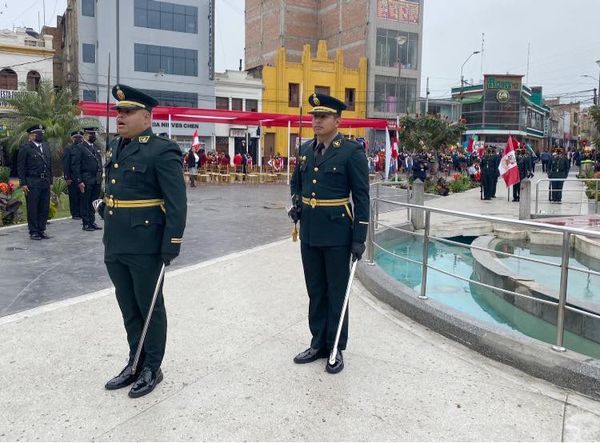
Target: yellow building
286 81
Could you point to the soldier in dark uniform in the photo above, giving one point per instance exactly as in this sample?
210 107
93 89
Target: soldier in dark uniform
34 166
420 168
74 193
497 159
524 165
488 174
144 219
86 167
330 169
558 168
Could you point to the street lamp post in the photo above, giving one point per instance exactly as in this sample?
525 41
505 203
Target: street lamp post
462 81
400 40
596 91
598 102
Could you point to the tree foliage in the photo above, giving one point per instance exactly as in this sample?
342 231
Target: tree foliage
429 132
55 109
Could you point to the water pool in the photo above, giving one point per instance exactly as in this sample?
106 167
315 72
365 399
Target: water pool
468 298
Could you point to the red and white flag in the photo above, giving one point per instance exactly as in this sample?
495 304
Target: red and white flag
508 166
196 142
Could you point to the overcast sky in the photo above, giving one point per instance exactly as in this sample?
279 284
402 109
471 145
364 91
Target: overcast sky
563 35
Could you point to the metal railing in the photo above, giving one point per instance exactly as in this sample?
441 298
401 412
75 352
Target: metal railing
583 181
564 265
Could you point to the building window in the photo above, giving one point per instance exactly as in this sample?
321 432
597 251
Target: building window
165 60
237 104
222 103
166 16
251 105
33 80
388 51
174 98
322 90
8 79
393 97
88 53
350 97
293 95
87 8
89 95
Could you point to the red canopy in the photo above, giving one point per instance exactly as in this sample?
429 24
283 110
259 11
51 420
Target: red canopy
230 117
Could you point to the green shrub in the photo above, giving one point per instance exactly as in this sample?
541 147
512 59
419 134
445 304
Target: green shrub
4 174
460 183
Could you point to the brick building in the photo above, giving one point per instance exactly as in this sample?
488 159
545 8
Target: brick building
387 32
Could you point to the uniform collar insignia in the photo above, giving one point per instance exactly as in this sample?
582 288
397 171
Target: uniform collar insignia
144 138
337 143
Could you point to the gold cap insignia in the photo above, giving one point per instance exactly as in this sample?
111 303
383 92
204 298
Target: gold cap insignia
120 94
144 138
316 100
337 143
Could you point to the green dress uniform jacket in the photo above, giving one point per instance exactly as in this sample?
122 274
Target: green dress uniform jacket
148 168
489 171
341 171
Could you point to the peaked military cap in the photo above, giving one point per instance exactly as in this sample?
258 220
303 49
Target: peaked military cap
131 98
325 104
90 129
36 128
76 133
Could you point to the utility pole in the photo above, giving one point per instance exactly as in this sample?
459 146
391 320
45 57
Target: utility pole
427 97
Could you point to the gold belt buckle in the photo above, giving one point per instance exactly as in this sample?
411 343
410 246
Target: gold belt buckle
313 203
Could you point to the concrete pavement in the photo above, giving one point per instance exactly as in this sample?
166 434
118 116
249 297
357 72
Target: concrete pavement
229 373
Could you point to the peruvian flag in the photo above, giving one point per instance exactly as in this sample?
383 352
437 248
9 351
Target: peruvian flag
470 146
508 166
196 142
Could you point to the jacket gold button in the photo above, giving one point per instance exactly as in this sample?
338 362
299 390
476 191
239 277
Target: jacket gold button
316 169
147 222
313 194
133 168
116 165
314 181
110 213
343 215
113 181
335 169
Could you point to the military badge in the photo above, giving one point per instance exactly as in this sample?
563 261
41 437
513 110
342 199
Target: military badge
144 138
337 143
316 100
120 94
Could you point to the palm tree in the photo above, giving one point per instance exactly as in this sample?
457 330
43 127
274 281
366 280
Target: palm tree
55 109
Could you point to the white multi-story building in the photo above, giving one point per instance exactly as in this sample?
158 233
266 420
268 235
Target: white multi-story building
25 60
163 48
238 91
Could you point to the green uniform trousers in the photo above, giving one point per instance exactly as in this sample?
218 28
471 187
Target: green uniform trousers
134 277
326 272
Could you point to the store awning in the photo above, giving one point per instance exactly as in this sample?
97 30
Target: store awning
471 99
221 116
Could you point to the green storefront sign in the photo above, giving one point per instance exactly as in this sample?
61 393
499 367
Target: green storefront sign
502 83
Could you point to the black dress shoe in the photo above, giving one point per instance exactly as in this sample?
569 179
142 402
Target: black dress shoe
44 235
146 382
35 236
87 228
337 366
95 226
125 378
310 355
76 217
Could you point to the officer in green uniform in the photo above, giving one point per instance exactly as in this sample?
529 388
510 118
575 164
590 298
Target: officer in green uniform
144 215
488 174
498 159
524 165
330 170
558 168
